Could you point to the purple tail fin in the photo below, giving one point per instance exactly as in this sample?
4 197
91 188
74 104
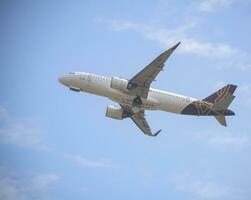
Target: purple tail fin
221 94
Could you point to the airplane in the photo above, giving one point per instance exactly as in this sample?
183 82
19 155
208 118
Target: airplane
134 96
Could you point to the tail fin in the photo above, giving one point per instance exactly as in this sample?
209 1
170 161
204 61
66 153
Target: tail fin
221 100
221 94
224 103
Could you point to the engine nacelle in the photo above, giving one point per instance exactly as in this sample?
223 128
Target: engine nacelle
119 83
114 112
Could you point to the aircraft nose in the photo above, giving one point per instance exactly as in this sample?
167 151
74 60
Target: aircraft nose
62 79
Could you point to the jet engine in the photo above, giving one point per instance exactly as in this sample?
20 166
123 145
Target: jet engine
119 84
114 112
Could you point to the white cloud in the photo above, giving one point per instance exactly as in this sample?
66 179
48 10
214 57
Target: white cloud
3 113
231 56
202 188
43 180
213 5
223 139
206 190
167 38
20 134
227 139
24 187
84 162
244 95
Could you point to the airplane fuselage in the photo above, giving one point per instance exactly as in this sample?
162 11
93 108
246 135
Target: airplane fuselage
156 99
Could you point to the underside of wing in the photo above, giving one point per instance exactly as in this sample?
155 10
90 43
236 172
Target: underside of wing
139 84
139 119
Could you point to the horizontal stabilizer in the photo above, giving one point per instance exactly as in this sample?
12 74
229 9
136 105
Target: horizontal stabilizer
221 119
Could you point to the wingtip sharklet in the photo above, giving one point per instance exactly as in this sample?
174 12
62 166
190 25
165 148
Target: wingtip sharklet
155 134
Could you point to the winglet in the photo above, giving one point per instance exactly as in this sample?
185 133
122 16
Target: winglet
175 46
155 134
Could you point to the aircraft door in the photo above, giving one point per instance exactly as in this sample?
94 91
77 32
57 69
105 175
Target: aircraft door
89 80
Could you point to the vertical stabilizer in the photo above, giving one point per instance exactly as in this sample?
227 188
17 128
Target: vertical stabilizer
221 99
221 94
224 103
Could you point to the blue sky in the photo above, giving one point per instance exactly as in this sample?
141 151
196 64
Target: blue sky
57 144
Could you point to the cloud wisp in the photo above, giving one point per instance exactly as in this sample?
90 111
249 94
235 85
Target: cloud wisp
203 188
15 186
214 5
84 162
244 94
20 134
224 139
232 56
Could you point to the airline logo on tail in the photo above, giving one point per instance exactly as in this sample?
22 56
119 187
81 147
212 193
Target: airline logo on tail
221 94
216 104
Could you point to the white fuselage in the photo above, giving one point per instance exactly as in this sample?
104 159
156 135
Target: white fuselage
100 85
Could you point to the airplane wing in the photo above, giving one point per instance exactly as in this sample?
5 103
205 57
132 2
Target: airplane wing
139 119
139 84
